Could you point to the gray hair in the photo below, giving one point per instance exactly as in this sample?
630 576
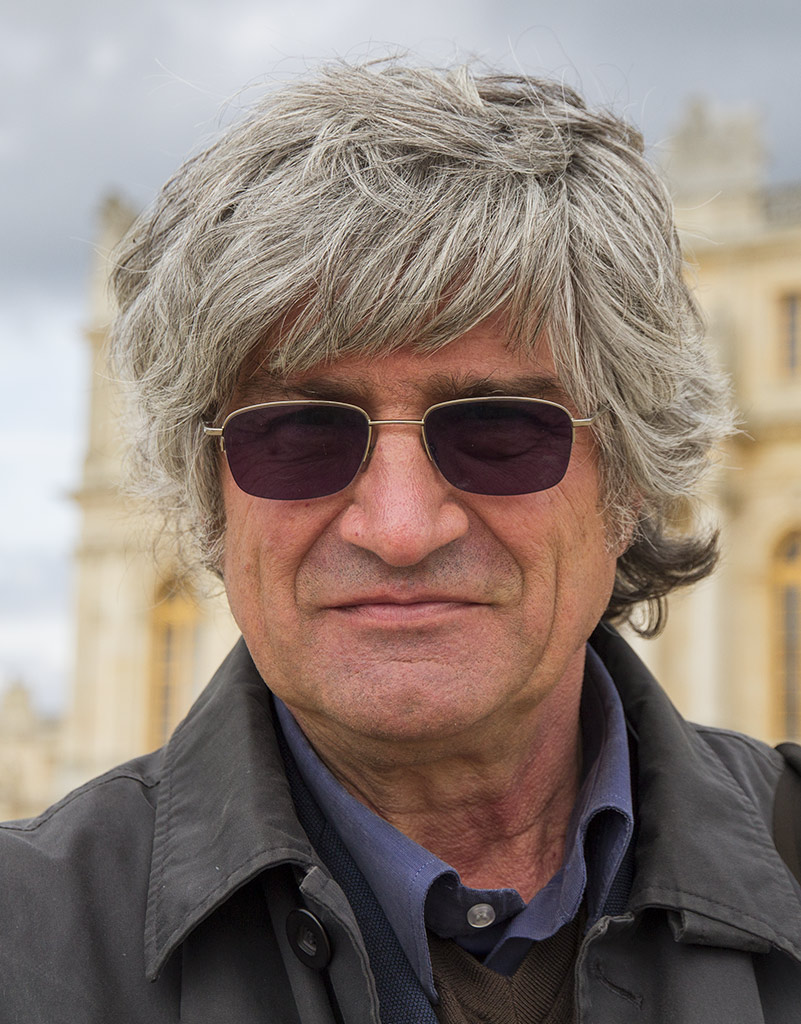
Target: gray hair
380 206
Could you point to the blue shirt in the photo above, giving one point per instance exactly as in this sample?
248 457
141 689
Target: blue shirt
417 890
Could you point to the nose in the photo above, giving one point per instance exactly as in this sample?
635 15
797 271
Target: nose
401 509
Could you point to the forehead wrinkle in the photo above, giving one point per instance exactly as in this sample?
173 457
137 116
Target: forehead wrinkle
440 386
446 387
255 384
265 386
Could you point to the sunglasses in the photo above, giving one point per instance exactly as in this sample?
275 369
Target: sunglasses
296 450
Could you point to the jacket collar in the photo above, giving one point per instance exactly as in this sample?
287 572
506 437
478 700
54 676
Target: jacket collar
224 810
704 848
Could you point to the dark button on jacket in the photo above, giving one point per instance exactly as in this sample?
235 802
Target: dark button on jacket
167 890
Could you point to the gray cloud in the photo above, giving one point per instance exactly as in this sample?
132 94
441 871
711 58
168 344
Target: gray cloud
113 95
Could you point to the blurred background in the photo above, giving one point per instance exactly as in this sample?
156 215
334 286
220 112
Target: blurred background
101 650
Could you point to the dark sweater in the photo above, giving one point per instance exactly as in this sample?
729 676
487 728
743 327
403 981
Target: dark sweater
539 992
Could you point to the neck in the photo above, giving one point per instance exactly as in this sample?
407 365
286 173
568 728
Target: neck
493 803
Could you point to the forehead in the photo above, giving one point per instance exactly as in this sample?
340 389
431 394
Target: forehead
480 362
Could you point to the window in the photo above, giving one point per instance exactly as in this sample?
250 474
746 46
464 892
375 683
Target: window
787 585
174 625
791 334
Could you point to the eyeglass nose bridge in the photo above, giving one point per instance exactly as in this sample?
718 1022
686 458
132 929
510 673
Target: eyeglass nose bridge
371 438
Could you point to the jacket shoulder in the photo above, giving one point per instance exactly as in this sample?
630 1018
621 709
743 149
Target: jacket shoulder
114 808
753 765
73 893
144 771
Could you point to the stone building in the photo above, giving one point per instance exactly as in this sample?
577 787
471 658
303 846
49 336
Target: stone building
147 642
30 754
731 654
146 639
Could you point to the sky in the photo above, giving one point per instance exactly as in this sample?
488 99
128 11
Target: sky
105 96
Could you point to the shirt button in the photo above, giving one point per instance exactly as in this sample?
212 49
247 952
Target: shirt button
481 915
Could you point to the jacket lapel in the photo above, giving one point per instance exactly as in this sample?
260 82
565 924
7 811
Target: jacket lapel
224 811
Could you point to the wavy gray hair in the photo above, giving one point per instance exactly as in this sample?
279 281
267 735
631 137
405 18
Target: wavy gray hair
379 206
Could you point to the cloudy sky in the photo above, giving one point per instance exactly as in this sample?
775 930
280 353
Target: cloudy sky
109 95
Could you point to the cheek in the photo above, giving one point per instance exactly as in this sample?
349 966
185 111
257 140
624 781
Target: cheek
252 535
265 546
242 530
560 539
242 565
254 526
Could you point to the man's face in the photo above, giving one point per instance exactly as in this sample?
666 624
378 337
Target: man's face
402 608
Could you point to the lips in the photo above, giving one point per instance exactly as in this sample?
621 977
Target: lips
410 610
404 600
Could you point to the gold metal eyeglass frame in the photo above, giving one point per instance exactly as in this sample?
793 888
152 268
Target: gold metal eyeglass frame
218 431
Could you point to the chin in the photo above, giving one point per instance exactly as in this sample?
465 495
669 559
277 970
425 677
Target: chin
426 715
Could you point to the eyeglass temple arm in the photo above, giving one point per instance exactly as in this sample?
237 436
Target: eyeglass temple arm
215 432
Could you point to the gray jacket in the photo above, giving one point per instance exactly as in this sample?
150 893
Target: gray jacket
160 891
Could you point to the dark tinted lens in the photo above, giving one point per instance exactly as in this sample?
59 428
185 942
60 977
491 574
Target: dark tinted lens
294 451
501 446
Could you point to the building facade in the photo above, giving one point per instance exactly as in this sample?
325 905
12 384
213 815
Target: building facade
731 654
146 638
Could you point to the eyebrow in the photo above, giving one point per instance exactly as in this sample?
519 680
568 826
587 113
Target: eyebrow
438 387
446 387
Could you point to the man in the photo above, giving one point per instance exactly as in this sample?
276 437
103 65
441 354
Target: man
417 368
